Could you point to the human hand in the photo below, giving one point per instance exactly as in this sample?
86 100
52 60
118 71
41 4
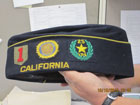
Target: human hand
87 84
129 82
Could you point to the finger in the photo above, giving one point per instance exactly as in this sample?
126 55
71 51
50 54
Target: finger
64 84
107 82
71 75
75 89
63 74
103 78
111 78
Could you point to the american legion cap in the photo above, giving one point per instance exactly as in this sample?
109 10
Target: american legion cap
38 56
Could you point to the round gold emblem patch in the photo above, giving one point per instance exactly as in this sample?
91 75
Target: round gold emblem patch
47 49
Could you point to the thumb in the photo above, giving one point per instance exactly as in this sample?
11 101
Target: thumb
71 76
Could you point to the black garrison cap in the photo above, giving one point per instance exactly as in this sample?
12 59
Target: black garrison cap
38 56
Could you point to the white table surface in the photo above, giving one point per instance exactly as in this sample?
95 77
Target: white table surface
79 103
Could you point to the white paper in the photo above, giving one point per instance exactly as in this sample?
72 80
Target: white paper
130 21
58 15
20 97
21 3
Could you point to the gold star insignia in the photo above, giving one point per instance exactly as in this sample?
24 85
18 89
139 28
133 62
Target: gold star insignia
81 48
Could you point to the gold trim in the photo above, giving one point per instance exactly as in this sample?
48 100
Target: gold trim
84 36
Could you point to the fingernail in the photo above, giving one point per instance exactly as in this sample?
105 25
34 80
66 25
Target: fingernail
61 72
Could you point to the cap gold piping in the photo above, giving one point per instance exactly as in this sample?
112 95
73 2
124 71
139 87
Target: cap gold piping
84 36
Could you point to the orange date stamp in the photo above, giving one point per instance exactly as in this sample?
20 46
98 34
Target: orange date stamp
114 90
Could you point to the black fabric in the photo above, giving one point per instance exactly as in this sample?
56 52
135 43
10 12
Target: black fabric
106 31
109 57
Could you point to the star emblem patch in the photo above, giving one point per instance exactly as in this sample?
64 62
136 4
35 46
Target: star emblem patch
81 49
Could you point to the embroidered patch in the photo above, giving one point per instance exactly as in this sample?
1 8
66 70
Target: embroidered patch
47 49
20 54
81 49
